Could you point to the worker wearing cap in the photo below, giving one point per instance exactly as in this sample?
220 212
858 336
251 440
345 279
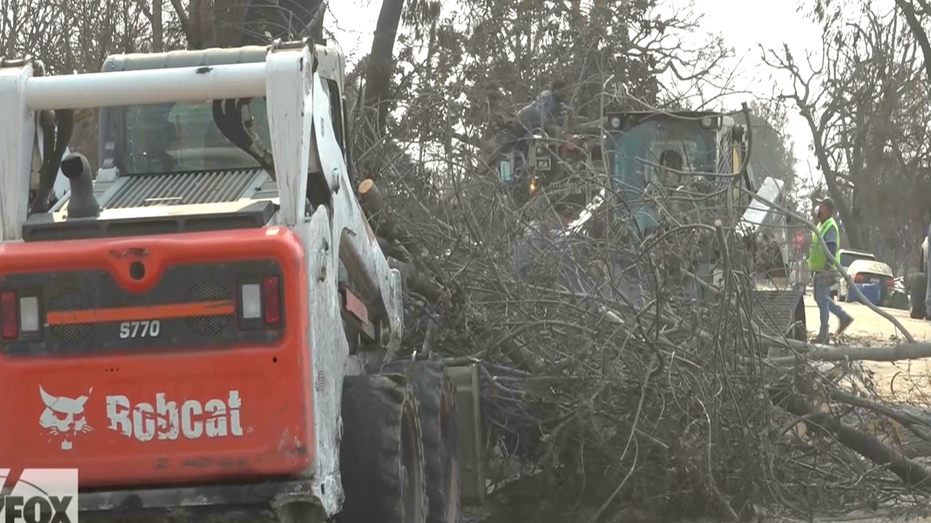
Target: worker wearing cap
823 271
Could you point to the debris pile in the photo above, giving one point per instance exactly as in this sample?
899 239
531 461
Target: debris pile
618 377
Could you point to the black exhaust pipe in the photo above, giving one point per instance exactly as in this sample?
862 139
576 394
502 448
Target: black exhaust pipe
82 203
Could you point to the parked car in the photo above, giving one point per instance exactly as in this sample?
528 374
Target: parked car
868 271
847 257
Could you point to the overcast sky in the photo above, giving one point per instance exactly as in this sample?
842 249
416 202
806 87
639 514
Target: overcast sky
744 25
747 25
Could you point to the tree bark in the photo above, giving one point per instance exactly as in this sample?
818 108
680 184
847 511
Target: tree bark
852 226
234 23
381 65
907 420
417 274
158 44
183 20
915 25
904 351
911 473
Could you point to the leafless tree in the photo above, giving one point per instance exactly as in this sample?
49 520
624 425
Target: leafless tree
861 102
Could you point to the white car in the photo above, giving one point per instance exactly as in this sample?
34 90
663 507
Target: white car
868 271
847 257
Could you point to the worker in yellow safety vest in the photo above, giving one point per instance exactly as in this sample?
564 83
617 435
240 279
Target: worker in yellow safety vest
824 273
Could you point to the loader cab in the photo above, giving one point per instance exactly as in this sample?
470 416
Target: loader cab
172 161
160 156
176 136
184 136
671 151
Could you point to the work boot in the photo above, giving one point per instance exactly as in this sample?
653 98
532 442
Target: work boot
820 339
844 323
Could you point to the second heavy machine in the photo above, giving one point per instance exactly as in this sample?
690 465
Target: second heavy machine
658 167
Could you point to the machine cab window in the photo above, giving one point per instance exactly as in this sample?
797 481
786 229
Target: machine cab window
179 136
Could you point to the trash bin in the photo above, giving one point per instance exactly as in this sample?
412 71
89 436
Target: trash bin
871 292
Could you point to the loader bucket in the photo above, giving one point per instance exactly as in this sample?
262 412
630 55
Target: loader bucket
473 455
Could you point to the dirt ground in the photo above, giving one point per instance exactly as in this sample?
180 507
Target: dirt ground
907 380
867 323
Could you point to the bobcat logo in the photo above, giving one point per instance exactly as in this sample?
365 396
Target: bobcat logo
63 418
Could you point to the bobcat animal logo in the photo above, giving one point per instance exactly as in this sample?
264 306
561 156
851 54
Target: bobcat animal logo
63 418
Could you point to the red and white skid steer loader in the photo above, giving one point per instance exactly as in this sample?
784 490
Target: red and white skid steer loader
206 329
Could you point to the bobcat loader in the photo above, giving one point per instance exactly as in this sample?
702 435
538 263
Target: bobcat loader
206 328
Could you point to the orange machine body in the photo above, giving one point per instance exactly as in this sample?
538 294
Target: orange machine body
154 375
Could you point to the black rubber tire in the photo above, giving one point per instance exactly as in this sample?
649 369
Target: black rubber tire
439 420
916 299
381 430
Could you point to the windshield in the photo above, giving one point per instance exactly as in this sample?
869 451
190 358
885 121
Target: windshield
846 258
640 154
178 136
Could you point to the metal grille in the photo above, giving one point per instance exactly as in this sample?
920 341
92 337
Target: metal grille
189 188
71 299
775 310
725 155
208 325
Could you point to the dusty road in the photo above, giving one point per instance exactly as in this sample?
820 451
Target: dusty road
907 380
868 323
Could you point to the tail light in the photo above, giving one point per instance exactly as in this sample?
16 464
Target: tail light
19 315
890 282
271 297
9 319
260 303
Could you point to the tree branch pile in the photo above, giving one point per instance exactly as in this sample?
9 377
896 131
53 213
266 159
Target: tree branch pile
605 365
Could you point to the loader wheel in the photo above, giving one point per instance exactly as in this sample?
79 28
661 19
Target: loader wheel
439 419
381 454
919 287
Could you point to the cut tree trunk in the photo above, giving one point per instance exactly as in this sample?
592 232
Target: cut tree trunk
911 473
380 218
416 275
904 351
